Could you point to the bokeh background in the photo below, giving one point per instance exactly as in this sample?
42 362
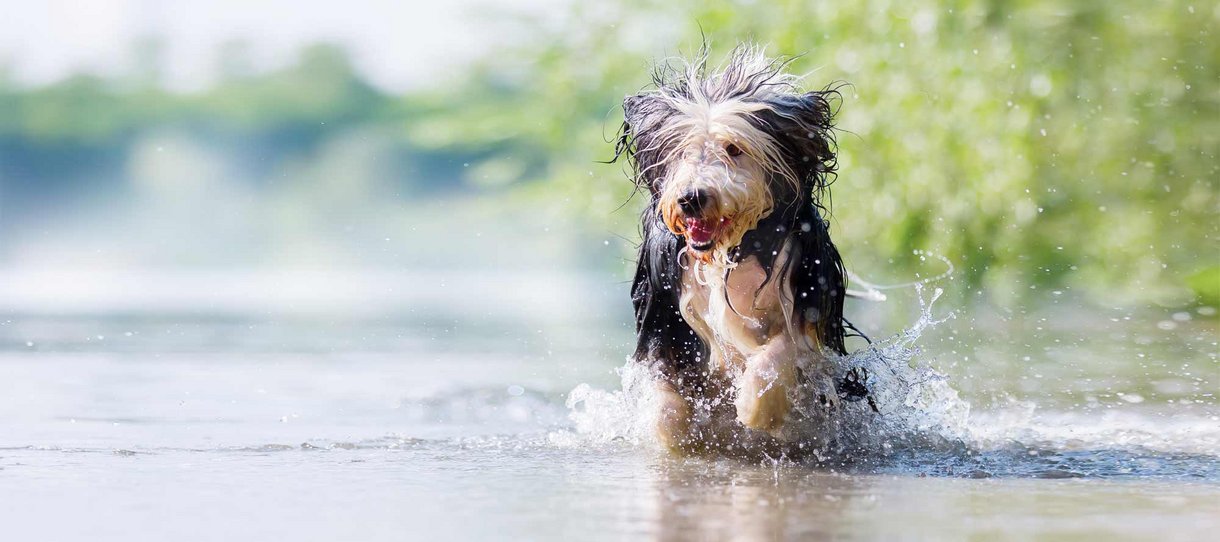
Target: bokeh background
348 270
1051 150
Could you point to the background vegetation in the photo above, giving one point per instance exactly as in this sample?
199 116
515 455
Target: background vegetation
1039 145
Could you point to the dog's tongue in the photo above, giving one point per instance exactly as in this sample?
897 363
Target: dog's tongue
701 231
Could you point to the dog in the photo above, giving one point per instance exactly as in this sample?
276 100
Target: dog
739 290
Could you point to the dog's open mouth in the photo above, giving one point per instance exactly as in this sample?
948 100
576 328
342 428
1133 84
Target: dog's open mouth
702 232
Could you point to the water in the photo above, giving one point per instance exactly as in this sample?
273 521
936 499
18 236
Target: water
477 406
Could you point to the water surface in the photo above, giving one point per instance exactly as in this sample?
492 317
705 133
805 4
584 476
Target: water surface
435 405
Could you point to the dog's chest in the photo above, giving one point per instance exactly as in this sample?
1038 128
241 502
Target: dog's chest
735 314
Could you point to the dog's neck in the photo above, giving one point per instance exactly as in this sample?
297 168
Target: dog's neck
766 240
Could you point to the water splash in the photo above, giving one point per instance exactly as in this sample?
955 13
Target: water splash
874 292
627 414
908 402
914 422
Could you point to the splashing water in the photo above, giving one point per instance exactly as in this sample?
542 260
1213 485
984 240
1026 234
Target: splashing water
913 421
909 404
905 401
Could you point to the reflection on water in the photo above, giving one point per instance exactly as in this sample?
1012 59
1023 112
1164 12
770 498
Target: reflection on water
401 406
702 501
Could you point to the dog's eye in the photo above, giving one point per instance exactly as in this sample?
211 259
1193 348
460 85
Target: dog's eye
732 150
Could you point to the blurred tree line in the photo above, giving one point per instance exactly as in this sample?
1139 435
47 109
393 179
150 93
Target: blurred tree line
1040 145
259 167
73 131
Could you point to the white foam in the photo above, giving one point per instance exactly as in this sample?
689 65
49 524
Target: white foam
910 399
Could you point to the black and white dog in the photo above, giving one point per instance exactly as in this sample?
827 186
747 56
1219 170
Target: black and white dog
739 290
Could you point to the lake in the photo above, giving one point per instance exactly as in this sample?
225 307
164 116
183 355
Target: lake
314 404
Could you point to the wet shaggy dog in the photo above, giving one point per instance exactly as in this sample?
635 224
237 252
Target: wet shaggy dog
739 290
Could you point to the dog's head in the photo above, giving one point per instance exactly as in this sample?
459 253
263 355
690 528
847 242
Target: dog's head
720 152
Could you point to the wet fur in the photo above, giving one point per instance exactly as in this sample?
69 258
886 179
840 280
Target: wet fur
784 235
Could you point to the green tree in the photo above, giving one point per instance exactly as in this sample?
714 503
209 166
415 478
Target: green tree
1036 143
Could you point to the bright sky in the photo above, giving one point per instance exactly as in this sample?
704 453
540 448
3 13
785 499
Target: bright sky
398 44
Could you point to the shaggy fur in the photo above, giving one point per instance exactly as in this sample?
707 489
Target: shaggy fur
738 282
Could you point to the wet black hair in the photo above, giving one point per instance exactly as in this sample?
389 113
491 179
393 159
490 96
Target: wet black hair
802 123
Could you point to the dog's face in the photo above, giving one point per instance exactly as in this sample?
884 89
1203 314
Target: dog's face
717 185
719 153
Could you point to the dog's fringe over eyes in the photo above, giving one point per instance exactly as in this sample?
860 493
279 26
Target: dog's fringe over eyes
769 98
753 103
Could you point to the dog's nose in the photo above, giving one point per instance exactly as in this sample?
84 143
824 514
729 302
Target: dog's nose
692 202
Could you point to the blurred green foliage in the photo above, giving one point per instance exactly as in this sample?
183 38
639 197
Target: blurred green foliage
1040 145
83 134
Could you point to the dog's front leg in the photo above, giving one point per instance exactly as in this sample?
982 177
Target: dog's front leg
673 418
762 388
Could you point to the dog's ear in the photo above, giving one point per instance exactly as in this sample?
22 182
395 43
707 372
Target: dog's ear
664 340
643 114
818 281
805 123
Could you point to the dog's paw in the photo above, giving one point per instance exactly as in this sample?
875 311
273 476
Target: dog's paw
762 396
